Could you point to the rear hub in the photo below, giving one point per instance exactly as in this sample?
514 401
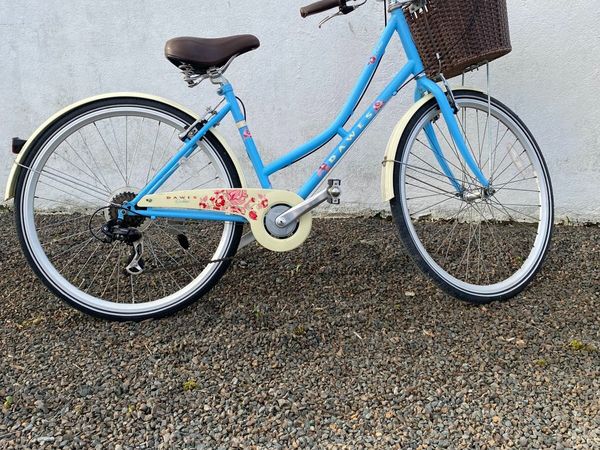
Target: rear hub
129 220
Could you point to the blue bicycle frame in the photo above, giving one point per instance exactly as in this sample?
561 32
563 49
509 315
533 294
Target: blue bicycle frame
413 68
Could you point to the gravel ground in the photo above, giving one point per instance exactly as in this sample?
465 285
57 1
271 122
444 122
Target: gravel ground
341 344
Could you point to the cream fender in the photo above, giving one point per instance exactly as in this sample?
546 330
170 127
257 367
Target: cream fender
387 172
16 168
252 204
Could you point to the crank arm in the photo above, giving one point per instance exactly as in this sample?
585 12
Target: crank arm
331 195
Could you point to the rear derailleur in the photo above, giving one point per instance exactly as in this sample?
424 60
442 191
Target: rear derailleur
114 232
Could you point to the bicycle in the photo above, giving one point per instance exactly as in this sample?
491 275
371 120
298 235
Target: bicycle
117 232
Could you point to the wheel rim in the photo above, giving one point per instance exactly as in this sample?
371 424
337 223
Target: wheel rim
57 204
481 243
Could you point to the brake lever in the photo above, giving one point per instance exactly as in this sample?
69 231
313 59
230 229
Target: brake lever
328 18
342 12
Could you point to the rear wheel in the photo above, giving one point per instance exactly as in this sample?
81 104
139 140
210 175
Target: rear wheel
479 245
80 170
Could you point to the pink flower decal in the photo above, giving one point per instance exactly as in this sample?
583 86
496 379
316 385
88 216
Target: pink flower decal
235 201
323 169
237 197
373 60
220 201
247 134
378 105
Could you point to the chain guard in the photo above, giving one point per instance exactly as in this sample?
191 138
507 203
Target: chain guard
252 204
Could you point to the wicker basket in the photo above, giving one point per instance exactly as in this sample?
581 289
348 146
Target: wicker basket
465 33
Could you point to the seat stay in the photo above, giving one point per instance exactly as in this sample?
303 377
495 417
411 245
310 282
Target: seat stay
174 163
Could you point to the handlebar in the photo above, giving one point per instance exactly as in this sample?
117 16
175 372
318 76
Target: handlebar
320 6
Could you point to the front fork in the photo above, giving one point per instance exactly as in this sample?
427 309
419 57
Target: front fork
425 85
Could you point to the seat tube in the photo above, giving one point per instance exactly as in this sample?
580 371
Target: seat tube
240 122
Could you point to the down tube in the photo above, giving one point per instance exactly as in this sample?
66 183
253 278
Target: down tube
356 131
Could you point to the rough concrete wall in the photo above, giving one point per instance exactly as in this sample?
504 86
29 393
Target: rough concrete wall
56 52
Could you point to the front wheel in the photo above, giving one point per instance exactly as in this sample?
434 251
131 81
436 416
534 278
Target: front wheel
78 173
479 244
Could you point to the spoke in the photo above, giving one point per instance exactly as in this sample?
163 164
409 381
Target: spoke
77 182
110 153
37 197
426 172
449 236
80 198
118 277
193 176
115 270
83 245
173 259
431 206
521 190
87 147
135 149
422 196
464 173
162 156
490 159
103 182
163 266
64 238
159 227
501 185
115 136
132 289
506 156
205 183
452 146
517 175
90 189
126 159
506 168
98 271
512 209
437 188
435 171
68 161
52 225
153 151
493 234
468 143
98 247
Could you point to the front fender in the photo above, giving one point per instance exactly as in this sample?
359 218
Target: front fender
387 172
9 193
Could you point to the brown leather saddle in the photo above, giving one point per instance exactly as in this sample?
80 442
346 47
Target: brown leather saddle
202 54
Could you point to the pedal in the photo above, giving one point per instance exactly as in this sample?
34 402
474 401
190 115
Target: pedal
334 192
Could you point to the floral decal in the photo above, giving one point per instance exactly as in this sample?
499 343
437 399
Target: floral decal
235 201
323 169
373 60
247 134
378 105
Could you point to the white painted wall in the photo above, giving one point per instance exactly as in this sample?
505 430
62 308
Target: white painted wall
56 52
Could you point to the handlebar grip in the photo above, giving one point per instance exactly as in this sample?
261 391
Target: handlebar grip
320 6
